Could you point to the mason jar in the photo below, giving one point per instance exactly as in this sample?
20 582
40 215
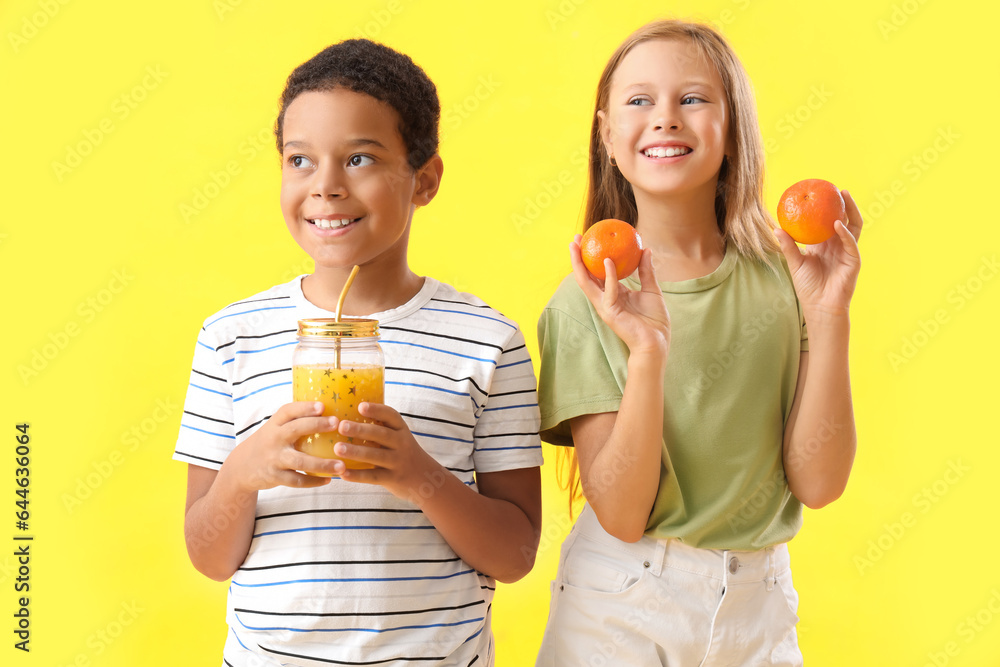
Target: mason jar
341 365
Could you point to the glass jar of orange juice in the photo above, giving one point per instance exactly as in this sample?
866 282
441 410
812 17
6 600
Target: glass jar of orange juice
341 365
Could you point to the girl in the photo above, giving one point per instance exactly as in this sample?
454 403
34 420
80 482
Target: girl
699 419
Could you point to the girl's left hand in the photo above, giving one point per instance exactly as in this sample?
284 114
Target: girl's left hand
825 274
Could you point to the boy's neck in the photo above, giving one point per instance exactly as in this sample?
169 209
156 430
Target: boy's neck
374 290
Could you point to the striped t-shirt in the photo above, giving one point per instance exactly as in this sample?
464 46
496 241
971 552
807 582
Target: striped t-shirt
347 574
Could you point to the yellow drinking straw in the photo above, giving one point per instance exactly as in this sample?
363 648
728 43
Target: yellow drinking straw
340 307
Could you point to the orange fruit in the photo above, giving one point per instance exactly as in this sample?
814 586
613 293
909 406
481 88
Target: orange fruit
615 239
808 209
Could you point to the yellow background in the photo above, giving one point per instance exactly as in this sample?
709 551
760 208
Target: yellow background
107 280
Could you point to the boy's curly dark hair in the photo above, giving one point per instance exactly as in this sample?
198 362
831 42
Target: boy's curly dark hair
387 75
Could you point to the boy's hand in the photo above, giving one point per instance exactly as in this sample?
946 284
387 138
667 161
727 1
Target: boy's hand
401 464
268 458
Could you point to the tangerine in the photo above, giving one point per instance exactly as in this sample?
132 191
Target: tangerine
808 209
615 239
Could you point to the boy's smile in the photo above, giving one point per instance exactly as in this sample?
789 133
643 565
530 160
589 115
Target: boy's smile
347 190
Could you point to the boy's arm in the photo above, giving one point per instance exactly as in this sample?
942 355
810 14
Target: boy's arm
221 505
495 531
217 546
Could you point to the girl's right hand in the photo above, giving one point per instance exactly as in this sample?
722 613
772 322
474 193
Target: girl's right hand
639 318
268 458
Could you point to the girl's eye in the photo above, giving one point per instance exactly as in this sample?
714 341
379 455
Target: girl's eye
691 99
360 160
299 161
639 101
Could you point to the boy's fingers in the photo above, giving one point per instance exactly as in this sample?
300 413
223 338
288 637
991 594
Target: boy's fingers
300 481
297 410
296 462
377 433
382 413
297 428
376 456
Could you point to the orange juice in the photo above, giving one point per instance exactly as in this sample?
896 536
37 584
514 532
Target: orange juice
341 391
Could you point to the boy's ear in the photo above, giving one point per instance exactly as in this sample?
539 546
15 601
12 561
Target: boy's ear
428 180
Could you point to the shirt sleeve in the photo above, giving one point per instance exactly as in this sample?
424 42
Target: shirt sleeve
576 376
207 434
506 434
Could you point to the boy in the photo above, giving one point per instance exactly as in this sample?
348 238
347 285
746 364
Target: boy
393 565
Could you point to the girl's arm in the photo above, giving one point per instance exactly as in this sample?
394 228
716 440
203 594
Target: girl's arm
820 438
620 453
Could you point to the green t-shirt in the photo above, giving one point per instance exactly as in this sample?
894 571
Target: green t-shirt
736 336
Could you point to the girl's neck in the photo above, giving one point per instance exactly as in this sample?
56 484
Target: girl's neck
683 234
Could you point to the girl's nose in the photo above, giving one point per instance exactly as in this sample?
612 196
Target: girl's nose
667 118
328 182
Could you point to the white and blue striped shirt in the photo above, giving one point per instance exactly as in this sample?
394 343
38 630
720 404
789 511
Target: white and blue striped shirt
348 574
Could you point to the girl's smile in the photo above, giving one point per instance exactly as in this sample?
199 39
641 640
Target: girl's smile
666 110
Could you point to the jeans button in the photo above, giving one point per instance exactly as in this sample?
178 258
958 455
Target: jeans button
645 564
734 565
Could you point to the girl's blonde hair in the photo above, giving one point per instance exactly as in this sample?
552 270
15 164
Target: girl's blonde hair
739 206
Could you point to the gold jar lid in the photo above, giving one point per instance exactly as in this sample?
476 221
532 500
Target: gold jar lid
328 327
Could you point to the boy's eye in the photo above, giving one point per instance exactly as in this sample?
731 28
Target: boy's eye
299 161
360 160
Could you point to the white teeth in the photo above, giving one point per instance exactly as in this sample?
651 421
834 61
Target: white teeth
330 224
660 151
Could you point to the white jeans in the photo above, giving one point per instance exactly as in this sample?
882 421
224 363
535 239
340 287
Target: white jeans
660 602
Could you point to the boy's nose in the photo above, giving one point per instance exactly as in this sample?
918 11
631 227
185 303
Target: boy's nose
327 182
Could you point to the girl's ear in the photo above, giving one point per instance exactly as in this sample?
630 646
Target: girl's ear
428 180
604 129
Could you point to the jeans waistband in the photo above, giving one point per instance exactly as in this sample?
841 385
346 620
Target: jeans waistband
724 564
